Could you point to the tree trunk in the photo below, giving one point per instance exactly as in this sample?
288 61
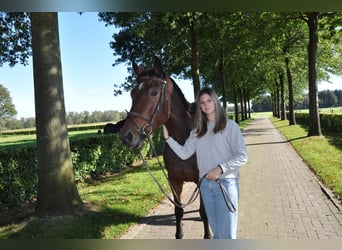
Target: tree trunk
223 81
245 103
292 118
274 108
241 104
314 121
249 105
236 106
57 191
276 100
282 97
195 73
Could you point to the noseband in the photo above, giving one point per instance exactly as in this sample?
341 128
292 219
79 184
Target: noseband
149 120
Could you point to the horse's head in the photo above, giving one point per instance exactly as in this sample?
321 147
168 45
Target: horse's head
151 104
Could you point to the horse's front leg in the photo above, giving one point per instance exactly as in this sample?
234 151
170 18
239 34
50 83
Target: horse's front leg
179 211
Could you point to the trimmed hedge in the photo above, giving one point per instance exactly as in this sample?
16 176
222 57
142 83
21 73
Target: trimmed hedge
91 156
18 176
330 122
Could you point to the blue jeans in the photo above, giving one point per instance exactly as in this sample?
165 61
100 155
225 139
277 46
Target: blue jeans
223 223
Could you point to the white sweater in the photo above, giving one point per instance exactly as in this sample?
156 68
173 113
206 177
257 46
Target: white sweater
225 148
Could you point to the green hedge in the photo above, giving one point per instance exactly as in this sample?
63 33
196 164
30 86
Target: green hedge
330 122
91 156
18 176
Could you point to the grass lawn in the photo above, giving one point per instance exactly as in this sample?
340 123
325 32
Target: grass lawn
322 154
113 204
9 141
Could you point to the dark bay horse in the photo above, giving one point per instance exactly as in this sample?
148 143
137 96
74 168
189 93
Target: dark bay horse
157 100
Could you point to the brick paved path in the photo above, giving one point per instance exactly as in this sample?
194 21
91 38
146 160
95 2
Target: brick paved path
280 197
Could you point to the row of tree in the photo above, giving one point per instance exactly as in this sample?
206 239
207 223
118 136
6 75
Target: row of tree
241 55
93 117
84 117
326 99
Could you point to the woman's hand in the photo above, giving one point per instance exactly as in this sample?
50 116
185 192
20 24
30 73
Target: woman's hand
214 173
165 132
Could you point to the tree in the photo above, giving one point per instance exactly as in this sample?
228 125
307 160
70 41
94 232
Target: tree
331 63
7 108
57 191
327 98
314 121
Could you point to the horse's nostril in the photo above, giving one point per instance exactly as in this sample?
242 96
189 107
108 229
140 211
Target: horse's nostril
128 137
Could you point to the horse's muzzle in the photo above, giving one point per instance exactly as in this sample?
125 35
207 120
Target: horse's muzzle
132 140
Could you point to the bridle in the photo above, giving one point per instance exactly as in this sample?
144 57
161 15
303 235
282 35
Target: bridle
149 120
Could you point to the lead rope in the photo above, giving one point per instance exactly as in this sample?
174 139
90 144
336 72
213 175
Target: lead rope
195 193
178 204
225 195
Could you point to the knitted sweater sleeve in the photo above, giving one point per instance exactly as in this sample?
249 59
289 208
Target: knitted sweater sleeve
183 151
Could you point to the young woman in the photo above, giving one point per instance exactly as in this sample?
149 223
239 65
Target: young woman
221 151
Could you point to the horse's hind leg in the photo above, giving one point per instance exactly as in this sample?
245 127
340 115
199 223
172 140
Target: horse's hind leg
207 233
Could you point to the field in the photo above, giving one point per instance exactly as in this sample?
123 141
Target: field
23 137
333 110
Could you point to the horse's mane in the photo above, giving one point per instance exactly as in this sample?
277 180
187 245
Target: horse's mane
189 107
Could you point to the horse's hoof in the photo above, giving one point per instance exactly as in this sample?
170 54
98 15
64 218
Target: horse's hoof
179 236
208 236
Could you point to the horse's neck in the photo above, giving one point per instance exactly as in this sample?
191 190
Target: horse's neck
179 123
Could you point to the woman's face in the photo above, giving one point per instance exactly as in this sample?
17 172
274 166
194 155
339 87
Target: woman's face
207 105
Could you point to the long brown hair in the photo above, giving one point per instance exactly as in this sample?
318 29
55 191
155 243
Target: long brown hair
201 119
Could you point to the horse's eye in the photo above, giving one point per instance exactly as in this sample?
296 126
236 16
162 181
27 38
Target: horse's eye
154 93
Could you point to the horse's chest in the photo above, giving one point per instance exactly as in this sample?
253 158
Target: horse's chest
182 169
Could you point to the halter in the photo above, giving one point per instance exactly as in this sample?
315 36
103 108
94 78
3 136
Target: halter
143 130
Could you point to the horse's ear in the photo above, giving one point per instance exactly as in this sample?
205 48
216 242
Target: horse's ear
158 67
138 70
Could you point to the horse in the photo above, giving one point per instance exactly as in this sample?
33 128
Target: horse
158 100
111 128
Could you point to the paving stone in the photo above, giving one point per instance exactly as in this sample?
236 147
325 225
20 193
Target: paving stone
280 198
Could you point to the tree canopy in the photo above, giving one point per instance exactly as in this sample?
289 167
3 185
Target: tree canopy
240 55
15 38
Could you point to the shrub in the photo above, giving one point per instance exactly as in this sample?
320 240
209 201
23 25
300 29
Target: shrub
91 156
19 176
329 122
